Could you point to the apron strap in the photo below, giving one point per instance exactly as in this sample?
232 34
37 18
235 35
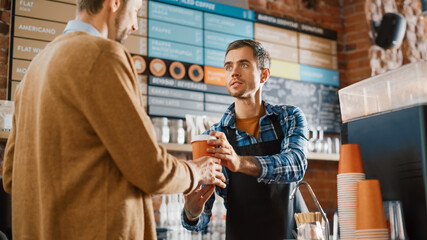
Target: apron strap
231 136
277 127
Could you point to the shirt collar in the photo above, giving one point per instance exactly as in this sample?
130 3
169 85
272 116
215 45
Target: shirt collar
79 26
229 117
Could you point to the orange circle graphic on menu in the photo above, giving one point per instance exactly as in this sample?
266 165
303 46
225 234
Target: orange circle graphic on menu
195 72
157 67
177 70
139 64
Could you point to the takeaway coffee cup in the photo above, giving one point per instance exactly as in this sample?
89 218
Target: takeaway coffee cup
199 145
370 209
350 159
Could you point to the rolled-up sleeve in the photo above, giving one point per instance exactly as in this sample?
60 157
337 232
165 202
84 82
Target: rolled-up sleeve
203 220
291 163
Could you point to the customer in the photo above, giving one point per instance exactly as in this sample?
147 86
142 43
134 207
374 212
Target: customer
82 159
263 150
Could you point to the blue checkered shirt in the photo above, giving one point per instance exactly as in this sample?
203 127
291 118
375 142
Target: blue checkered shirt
287 166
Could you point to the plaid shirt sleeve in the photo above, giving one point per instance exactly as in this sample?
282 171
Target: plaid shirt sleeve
290 164
206 215
203 220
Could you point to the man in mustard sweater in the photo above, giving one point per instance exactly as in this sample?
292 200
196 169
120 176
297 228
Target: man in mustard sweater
82 159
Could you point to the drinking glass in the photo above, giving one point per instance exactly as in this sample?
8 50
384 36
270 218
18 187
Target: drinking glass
395 221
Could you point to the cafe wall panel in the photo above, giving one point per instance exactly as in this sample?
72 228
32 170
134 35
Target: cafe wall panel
19 69
48 10
214 58
175 51
218 41
37 29
174 14
319 75
274 34
175 33
228 25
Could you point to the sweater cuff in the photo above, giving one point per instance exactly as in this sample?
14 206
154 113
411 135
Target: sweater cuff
196 177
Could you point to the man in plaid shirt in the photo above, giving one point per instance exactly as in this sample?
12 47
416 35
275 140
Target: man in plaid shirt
263 152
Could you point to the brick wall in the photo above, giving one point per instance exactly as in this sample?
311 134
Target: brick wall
356 43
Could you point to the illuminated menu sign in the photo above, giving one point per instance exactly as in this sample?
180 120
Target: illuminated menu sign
187 39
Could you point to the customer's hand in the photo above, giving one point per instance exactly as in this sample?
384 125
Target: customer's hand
195 201
225 151
210 171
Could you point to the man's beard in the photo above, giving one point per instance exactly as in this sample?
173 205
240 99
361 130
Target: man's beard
238 95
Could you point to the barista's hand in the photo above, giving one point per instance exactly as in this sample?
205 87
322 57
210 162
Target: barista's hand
225 151
248 165
195 201
210 171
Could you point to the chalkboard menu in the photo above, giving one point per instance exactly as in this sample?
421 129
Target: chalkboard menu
318 102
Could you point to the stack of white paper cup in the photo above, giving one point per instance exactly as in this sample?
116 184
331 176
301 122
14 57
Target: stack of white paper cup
350 171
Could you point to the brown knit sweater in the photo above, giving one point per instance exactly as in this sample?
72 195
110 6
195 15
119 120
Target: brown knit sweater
82 159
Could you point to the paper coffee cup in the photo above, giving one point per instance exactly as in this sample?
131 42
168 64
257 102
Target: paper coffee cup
350 159
199 145
370 209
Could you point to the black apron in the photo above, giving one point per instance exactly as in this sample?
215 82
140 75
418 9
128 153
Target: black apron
255 210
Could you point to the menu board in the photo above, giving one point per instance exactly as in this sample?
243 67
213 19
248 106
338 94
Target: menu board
229 25
19 69
179 51
318 102
37 22
37 29
319 75
219 41
274 34
281 52
175 33
173 14
303 68
192 34
46 10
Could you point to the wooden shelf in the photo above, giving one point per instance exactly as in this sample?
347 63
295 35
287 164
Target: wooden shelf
186 148
175 147
323 156
4 135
